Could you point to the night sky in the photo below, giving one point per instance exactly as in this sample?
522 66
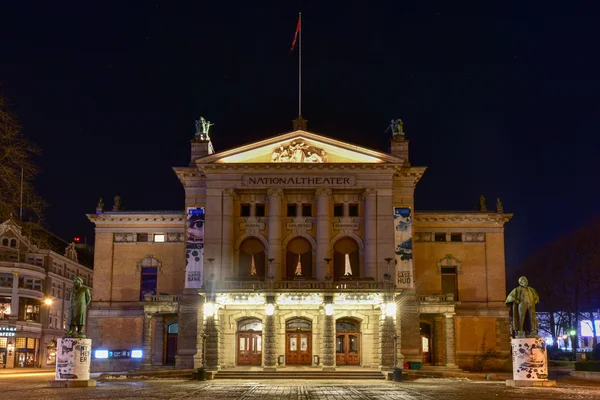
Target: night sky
496 101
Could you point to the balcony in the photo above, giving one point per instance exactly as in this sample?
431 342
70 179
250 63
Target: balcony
304 285
162 298
437 304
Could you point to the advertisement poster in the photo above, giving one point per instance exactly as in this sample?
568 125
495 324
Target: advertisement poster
403 247
73 359
194 247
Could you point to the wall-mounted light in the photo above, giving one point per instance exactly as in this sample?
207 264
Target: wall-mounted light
270 309
329 309
209 309
101 354
390 309
137 353
48 301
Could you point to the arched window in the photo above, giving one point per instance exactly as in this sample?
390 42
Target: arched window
173 328
5 242
252 258
345 258
298 324
298 261
347 325
13 243
250 324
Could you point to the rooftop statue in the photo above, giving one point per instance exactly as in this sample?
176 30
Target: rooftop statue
523 299
202 128
397 127
80 299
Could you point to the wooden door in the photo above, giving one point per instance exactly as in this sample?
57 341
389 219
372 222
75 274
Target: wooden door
249 348
347 348
171 349
298 348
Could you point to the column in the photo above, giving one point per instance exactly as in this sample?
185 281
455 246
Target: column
398 350
14 301
450 341
329 343
159 338
387 330
227 243
147 339
274 250
323 232
437 338
211 339
187 339
370 196
270 343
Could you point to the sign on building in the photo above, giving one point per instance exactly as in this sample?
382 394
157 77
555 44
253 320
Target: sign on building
403 247
194 247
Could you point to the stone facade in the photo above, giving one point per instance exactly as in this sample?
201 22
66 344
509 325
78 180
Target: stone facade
297 255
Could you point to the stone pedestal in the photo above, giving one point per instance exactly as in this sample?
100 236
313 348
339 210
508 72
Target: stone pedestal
530 363
73 357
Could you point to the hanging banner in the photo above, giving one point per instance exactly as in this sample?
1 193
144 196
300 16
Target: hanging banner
194 247
403 247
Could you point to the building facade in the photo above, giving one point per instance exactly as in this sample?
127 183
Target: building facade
35 287
299 249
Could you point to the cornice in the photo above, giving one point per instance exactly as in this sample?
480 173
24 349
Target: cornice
124 218
204 169
472 217
414 173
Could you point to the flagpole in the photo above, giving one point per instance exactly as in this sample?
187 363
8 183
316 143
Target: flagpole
300 65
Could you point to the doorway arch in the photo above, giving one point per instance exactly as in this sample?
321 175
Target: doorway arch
346 254
298 341
252 259
172 342
347 341
249 341
298 260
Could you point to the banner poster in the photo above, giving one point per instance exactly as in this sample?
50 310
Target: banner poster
194 248
403 247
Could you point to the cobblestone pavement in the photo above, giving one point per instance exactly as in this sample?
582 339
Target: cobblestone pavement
426 389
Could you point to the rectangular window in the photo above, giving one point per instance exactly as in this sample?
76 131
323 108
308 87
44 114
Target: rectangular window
450 282
440 237
260 210
149 281
307 210
456 237
244 210
338 210
291 209
142 237
158 238
353 210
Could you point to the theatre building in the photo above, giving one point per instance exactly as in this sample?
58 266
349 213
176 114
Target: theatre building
299 249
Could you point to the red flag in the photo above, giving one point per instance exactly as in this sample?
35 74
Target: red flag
296 35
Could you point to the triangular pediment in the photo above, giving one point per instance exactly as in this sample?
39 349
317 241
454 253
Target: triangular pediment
300 147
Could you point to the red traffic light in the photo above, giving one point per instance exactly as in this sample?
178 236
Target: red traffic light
77 239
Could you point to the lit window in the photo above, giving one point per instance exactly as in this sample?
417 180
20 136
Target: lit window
159 238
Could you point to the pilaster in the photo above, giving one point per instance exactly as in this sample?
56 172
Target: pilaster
227 269
328 343
14 301
370 196
450 341
323 234
274 251
270 343
188 331
147 340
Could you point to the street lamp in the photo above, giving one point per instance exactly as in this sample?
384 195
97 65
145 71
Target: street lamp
573 334
48 301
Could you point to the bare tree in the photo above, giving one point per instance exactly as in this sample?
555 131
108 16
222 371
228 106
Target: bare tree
17 171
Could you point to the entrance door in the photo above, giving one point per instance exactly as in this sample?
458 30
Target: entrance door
298 348
172 335
347 349
426 344
249 348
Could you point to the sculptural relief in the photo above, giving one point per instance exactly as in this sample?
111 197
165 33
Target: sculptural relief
298 152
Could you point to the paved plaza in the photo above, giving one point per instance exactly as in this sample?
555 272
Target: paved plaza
34 387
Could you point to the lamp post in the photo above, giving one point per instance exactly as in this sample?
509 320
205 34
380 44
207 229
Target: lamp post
573 334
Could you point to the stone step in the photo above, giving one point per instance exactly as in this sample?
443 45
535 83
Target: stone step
299 375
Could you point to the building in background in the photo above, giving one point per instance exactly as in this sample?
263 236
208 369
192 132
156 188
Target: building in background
34 295
299 249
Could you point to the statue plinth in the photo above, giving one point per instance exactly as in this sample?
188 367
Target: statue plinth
530 362
73 358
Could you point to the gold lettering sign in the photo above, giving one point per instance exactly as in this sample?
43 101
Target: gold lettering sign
295 180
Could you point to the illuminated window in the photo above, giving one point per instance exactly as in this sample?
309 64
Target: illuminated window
260 210
338 210
159 238
353 210
149 281
244 210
